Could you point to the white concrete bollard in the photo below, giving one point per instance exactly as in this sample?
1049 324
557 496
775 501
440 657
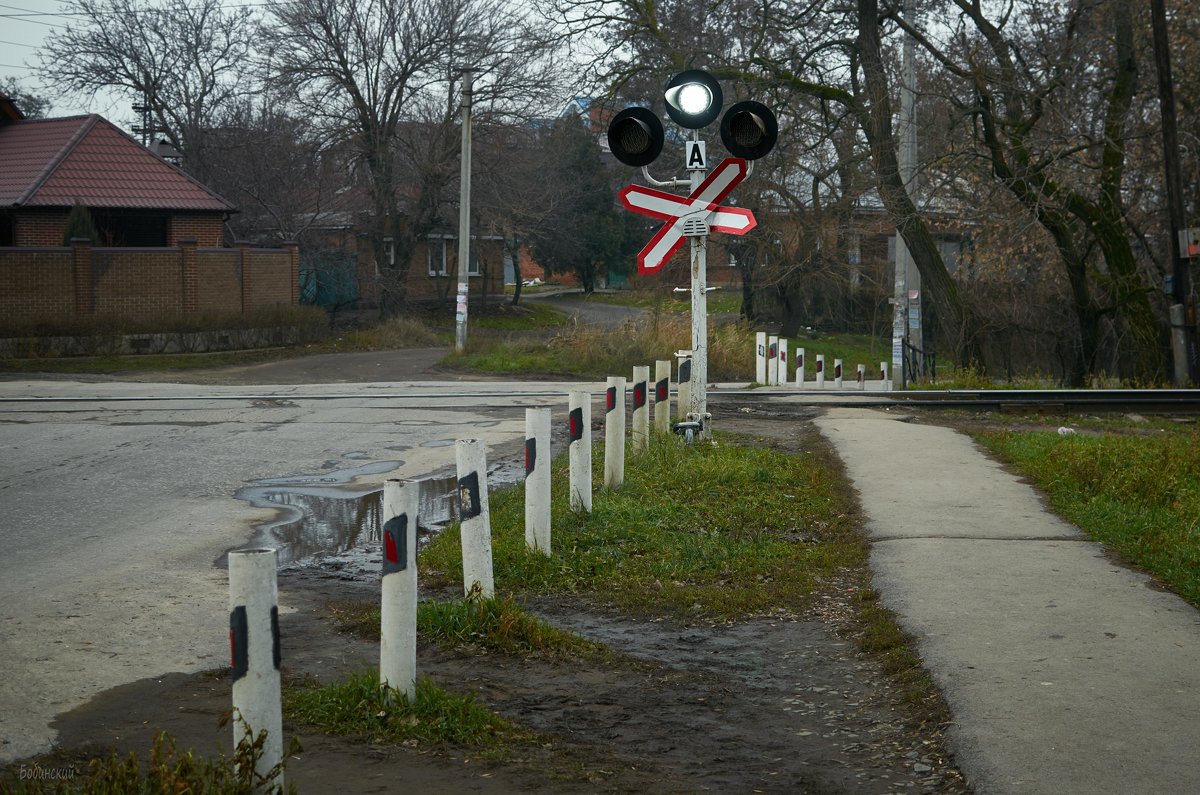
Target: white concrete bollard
614 433
862 376
662 395
760 357
883 376
639 434
800 367
772 360
837 373
820 371
781 378
684 395
537 480
473 517
579 450
398 606
254 648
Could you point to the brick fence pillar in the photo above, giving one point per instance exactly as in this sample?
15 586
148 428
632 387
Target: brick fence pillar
243 247
293 250
191 276
81 258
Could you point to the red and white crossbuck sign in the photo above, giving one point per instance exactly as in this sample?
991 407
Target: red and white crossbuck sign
699 211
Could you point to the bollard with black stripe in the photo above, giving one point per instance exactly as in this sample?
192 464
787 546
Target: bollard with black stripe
255 652
537 480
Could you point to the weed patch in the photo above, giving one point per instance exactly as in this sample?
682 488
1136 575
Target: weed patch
715 532
496 625
360 705
1140 495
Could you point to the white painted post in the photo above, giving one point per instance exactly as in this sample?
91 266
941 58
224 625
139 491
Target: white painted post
820 371
254 646
579 450
685 386
837 373
772 360
639 434
473 517
398 607
662 395
883 376
760 357
614 433
782 378
800 367
537 480
862 376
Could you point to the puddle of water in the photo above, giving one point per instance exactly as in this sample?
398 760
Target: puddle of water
325 525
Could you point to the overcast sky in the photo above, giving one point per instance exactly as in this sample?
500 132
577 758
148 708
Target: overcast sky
23 26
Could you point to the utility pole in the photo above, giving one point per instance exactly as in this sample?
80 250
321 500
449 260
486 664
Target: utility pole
906 321
1182 311
464 219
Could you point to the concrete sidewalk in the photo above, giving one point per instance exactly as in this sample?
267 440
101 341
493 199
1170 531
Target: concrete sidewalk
1065 672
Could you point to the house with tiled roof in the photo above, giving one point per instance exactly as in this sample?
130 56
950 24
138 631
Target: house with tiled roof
135 197
160 239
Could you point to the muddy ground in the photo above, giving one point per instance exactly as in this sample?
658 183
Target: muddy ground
779 704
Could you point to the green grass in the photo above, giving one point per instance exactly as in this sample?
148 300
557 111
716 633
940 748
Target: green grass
360 705
496 625
1140 495
722 533
530 316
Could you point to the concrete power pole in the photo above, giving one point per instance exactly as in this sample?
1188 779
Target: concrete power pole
1182 310
906 321
464 219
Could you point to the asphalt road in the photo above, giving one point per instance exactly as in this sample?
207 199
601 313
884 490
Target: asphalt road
114 513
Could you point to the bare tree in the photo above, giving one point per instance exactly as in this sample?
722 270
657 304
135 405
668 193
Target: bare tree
817 61
186 60
364 69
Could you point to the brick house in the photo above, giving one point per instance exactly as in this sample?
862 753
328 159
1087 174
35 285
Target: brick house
161 233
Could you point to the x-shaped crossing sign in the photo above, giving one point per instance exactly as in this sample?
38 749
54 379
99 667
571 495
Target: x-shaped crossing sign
689 216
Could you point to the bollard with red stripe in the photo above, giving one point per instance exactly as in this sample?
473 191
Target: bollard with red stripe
662 395
398 589
820 367
639 435
800 367
579 450
837 373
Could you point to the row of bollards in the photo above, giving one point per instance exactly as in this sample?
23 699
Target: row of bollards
253 590
771 366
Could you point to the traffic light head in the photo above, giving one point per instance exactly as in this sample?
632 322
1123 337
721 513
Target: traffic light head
749 130
693 99
635 136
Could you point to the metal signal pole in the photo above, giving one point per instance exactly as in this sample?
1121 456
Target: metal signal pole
698 398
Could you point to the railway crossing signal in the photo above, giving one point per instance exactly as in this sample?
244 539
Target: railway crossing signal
635 137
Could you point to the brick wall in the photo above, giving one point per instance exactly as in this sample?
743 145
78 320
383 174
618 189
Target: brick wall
39 229
219 282
46 228
207 229
41 283
267 278
36 283
134 282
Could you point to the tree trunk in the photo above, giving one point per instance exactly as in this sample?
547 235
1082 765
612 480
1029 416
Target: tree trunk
874 113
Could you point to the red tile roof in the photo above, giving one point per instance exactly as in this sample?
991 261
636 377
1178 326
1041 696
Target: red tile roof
58 162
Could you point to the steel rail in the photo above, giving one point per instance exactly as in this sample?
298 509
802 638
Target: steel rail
1111 399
